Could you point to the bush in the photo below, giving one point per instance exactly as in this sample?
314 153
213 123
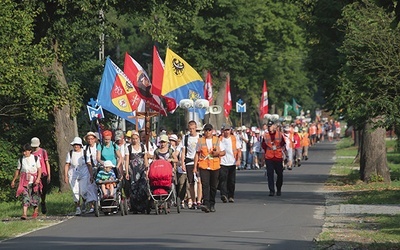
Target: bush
9 155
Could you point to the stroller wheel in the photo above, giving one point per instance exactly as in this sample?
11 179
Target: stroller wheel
97 208
125 206
122 208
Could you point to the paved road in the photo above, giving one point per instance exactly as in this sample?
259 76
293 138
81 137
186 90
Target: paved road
254 221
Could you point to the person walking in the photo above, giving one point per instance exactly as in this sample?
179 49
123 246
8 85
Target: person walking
78 173
274 145
188 152
244 140
29 186
45 179
207 163
91 148
297 147
229 162
109 150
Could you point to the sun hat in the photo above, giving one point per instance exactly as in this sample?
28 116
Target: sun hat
90 134
108 164
77 141
296 129
119 134
35 142
257 131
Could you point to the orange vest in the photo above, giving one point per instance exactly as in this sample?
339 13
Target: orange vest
205 161
269 152
305 141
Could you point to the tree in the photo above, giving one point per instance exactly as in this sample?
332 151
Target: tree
369 80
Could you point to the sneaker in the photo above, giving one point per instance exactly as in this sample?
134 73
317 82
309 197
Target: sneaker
224 199
43 207
306 158
278 193
91 210
289 168
212 209
23 217
35 215
231 200
78 211
271 193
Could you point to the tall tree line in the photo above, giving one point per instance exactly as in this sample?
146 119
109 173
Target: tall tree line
304 49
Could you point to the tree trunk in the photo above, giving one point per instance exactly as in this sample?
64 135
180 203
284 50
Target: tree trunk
64 125
373 162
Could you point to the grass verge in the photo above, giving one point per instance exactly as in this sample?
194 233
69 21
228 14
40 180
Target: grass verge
59 206
362 231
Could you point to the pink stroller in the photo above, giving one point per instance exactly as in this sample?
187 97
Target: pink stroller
162 187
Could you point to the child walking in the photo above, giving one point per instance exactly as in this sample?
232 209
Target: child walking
30 171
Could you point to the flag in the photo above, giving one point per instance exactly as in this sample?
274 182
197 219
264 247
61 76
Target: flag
208 93
117 94
181 81
138 76
264 101
158 74
296 107
228 98
286 109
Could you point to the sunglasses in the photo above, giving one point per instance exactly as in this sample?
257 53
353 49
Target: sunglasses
207 129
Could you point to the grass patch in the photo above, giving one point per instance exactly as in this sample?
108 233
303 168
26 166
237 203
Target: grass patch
59 205
363 232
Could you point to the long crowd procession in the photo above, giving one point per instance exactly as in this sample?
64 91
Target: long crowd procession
115 171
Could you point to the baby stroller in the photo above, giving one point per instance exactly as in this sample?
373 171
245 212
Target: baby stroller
139 196
162 187
113 203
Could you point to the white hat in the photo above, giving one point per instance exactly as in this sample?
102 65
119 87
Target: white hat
108 164
296 129
173 137
77 141
257 131
90 134
119 134
244 127
35 142
286 129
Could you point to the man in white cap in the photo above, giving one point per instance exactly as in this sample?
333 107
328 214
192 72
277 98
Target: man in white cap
78 172
46 172
244 141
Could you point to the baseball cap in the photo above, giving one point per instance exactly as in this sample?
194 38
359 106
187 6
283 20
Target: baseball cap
270 123
208 127
164 138
173 137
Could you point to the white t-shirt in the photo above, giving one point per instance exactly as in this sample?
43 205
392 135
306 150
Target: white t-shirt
78 159
29 165
228 159
256 143
191 146
92 153
242 141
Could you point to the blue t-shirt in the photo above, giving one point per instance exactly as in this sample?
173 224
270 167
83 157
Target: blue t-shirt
108 152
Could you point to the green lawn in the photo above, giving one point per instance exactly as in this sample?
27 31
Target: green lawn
367 232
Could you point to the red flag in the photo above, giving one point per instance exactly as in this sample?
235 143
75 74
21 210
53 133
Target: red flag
264 101
158 76
208 94
158 73
138 76
227 99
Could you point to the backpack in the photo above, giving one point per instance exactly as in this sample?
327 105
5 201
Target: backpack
170 152
91 157
130 150
84 155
